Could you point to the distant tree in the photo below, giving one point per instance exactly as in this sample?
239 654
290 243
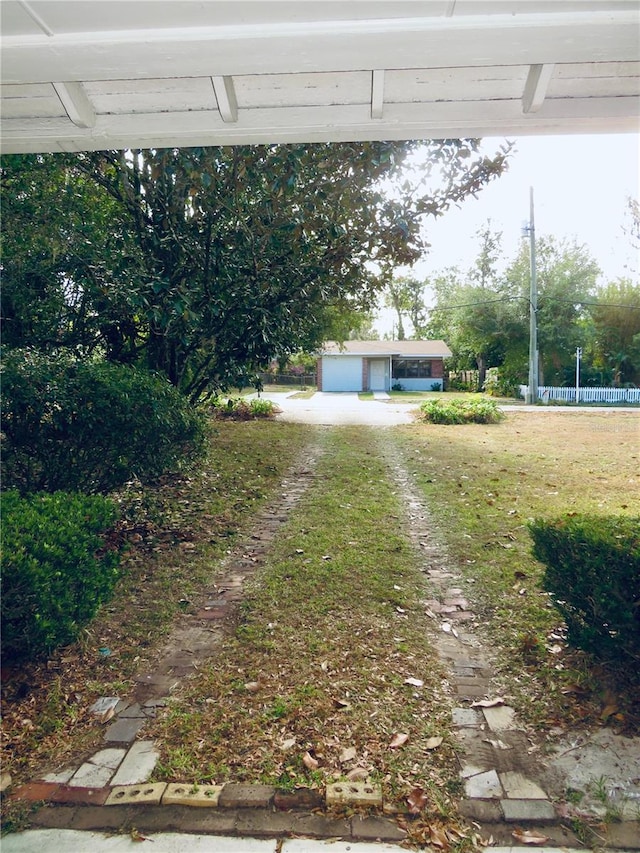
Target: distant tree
476 313
566 280
616 337
405 294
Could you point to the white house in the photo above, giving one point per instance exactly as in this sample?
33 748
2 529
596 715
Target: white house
379 365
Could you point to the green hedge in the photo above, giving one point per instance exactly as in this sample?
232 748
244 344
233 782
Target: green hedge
460 412
55 570
89 426
593 573
241 410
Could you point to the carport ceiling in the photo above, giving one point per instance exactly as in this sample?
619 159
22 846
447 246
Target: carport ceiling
93 74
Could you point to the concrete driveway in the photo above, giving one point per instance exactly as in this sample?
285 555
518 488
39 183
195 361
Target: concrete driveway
336 409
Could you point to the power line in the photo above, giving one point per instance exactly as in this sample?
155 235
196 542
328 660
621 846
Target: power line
526 298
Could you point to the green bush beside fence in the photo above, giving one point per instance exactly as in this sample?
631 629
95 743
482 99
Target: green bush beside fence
593 573
55 570
89 426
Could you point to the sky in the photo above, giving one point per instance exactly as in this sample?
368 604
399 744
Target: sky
580 186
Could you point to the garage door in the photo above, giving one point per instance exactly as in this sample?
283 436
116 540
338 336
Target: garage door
341 373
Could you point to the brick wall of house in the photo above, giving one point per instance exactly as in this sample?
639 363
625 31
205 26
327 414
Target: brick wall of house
319 373
365 374
437 368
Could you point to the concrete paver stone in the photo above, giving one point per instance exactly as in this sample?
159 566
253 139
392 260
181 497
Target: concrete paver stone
235 796
110 757
356 793
127 795
123 731
465 717
518 787
203 796
131 711
104 704
499 719
138 764
520 811
91 776
484 786
61 776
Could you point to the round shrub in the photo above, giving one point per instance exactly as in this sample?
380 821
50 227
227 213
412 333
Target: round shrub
89 426
593 574
55 570
460 412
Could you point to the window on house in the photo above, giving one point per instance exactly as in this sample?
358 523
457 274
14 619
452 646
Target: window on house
411 368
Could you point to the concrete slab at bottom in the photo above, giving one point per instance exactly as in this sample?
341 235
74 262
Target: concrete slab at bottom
72 841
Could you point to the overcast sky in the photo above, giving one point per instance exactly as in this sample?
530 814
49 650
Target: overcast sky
581 185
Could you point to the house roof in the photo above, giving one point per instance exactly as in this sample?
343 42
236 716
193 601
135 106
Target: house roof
423 349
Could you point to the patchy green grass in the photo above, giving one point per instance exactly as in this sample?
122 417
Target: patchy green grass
174 535
329 631
484 483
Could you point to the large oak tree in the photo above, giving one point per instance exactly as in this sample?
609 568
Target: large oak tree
207 262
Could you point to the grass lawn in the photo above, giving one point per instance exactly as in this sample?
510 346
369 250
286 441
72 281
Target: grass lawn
312 681
175 535
484 483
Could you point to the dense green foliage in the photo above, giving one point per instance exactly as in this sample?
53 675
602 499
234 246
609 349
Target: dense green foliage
460 412
483 315
204 263
87 426
54 574
242 410
593 573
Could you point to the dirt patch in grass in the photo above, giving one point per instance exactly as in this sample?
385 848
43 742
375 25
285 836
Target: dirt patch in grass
174 536
484 483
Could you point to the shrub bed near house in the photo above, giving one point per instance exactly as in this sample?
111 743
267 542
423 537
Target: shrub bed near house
243 410
56 571
593 573
89 426
460 412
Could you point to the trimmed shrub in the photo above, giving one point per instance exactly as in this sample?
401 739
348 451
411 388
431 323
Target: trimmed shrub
241 410
460 412
55 571
593 573
88 426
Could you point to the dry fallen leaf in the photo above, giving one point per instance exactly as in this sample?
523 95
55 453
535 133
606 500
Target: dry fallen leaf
108 714
398 740
438 836
417 800
309 761
414 682
347 754
488 703
497 744
529 836
252 687
433 742
358 774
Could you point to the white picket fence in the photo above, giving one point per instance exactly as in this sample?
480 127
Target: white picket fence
585 395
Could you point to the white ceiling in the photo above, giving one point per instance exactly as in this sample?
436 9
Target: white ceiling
95 74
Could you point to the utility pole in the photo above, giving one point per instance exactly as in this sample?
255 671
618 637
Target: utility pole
532 394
